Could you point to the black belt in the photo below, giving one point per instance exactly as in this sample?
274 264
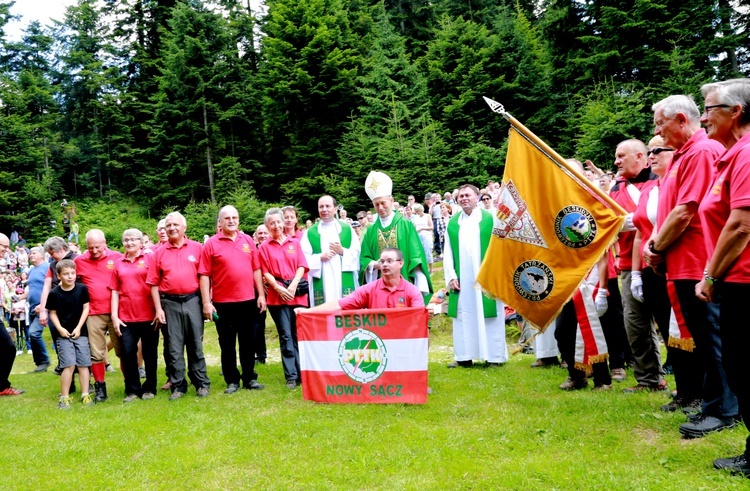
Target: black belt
180 298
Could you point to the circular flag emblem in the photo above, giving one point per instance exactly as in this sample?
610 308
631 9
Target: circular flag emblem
575 227
362 355
533 280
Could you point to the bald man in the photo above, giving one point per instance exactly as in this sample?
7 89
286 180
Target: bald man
94 268
232 291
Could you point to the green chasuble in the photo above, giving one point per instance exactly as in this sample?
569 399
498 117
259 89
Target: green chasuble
485 233
400 234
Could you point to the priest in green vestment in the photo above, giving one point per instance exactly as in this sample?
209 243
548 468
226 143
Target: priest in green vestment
391 229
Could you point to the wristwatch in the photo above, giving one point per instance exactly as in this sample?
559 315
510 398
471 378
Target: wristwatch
710 280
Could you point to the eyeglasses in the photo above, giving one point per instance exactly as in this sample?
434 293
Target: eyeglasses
486 199
125 240
388 261
706 109
657 151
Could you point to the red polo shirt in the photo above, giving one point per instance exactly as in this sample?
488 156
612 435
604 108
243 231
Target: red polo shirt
96 274
175 269
620 194
129 280
282 260
377 295
230 264
730 190
688 177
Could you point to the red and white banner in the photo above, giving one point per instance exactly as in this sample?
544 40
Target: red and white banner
364 356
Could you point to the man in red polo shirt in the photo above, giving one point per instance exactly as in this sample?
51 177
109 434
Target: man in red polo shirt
680 244
173 276
229 278
94 268
390 291
635 172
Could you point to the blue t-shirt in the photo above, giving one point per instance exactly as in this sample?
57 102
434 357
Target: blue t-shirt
36 285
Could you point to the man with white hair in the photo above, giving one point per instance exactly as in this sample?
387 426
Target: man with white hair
680 245
391 229
332 251
94 269
175 288
37 275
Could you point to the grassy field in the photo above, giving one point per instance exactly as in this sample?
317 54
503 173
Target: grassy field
499 428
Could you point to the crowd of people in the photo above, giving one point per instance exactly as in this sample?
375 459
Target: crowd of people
679 272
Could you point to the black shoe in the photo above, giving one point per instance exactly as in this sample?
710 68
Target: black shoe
100 388
705 424
693 407
682 403
254 385
262 361
736 465
232 388
58 370
464 364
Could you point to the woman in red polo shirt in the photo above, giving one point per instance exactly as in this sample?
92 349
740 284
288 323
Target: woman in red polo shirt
132 315
291 223
282 261
725 217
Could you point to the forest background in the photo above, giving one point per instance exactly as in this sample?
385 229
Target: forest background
131 108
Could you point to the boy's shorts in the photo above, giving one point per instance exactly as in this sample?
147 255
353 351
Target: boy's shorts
73 352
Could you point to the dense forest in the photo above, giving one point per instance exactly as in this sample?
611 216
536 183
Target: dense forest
177 102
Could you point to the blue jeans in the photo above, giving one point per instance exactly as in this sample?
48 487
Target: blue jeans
286 326
38 347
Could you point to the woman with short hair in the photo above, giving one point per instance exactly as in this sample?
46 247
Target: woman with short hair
725 217
133 313
284 266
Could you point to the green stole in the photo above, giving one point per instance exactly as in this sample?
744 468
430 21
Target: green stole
347 277
485 232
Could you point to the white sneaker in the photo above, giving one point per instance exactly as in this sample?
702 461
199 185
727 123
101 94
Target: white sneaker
29 352
20 352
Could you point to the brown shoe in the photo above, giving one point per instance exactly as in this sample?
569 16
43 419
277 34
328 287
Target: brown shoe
167 386
571 384
545 362
618 374
602 387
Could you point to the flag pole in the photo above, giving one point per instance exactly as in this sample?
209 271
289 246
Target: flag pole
499 109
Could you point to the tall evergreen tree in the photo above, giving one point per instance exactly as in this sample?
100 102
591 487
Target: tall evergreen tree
308 77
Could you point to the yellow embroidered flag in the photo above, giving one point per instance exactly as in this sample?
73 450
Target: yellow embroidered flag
554 227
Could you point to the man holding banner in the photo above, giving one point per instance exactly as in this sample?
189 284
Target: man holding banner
390 291
635 172
554 226
478 331
332 253
378 355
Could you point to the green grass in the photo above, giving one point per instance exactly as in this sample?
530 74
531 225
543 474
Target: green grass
500 428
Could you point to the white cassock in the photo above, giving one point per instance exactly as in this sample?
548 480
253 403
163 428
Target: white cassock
331 270
545 344
475 337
